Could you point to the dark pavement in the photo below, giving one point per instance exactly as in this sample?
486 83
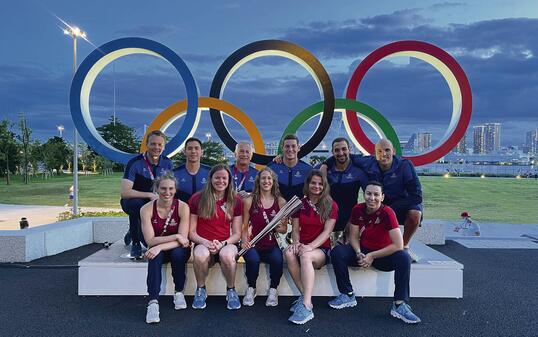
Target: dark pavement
500 294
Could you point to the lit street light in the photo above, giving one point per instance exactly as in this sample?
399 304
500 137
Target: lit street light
60 130
75 32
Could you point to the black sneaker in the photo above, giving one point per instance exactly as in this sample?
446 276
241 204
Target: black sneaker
127 238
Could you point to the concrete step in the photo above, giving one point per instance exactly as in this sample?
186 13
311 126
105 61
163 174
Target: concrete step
110 272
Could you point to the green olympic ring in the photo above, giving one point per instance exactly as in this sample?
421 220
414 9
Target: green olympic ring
373 117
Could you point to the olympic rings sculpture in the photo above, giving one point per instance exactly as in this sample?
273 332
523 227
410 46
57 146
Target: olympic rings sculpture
191 107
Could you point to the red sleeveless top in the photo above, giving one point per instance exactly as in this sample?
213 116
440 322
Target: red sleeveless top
258 223
159 223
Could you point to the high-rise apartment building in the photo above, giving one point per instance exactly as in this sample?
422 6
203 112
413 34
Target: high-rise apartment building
532 141
424 141
493 137
479 139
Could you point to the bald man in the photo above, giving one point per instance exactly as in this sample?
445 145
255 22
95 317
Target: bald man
403 192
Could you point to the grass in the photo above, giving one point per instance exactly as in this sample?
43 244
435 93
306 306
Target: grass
503 200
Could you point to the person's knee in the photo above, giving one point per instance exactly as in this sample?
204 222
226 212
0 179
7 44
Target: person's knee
402 259
307 258
227 257
413 217
201 254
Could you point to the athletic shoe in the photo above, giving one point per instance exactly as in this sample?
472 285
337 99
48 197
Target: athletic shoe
296 303
302 314
233 300
272 298
152 315
127 238
343 301
179 301
248 300
136 251
403 312
199 298
414 257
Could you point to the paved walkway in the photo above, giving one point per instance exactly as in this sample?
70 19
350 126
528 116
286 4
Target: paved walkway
37 215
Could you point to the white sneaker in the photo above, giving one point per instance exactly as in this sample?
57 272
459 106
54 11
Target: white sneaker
248 300
272 298
152 315
179 301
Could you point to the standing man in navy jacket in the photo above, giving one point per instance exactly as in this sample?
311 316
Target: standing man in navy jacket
191 176
243 174
291 172
345 180
137 185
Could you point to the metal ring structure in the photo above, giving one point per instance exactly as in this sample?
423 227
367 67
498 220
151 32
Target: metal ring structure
91 67
452 73
176 110
274 48
374 118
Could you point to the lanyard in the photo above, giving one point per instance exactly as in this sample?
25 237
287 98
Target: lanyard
168 218
245 175
266 218
150 169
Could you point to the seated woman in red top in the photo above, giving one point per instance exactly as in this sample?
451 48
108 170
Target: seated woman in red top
311 228
258 210
375 240
165 225
214 211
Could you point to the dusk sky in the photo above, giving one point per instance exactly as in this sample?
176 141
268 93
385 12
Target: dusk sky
495 42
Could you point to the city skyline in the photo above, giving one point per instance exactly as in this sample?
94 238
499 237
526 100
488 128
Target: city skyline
489 42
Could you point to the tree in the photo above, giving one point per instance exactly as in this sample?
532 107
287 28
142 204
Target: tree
35 155
9 153
24 138
119 135
213 154
314 160
56 154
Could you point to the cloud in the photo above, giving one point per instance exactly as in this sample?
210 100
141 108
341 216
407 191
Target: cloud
446 4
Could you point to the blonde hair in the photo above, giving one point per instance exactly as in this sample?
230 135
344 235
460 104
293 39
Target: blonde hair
167 175
325 202
207 208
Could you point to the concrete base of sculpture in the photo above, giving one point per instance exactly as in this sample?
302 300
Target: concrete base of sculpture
108 272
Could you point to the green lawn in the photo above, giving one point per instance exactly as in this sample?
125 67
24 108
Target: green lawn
487 200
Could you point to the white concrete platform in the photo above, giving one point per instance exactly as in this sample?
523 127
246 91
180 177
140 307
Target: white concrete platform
108 273
28 244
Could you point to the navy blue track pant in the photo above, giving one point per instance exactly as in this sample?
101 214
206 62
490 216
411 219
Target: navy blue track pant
344 256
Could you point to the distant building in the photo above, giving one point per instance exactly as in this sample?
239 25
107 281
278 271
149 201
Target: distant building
411 144
532 142
487 138
271 149
461 147
493 137
424 141
479 139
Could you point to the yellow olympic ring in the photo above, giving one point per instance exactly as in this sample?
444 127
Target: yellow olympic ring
176 110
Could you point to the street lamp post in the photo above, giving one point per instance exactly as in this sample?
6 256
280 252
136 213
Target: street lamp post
75 32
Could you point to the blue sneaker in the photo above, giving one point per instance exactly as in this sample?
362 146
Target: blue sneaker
343 301
233 299
302 314
199 298
296 303
136 251
403 312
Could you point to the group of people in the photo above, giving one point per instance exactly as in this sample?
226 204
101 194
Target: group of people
220 209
